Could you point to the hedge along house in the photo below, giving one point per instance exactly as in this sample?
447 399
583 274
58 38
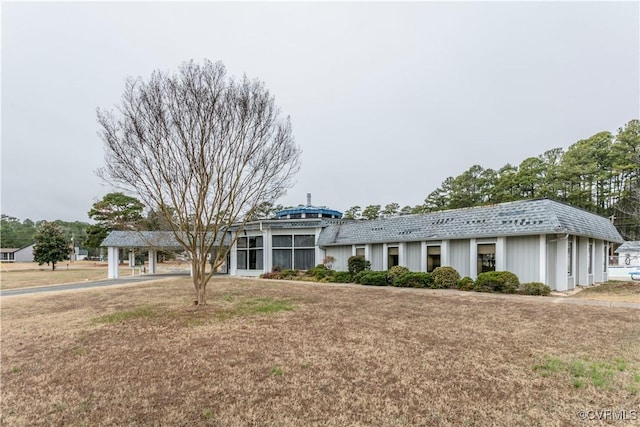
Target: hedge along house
538 240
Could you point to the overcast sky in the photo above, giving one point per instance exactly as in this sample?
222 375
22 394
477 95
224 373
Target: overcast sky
386 99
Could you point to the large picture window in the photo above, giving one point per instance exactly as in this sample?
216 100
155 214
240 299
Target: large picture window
486 257
249 253
294 251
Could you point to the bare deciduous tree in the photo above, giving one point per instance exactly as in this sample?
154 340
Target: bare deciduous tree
202 149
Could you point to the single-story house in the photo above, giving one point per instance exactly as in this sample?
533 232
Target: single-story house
79 254
539 240
629 254
17 254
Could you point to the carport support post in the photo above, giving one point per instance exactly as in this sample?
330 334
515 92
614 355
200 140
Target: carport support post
113 261
152 261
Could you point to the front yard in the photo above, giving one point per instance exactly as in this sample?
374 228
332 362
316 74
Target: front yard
284 353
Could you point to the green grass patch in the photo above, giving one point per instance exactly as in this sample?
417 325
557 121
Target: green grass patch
600 374
550 366
87 404
277 371
634 386
59 407
123 316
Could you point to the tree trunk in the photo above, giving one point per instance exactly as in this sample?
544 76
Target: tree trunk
202 296
53 266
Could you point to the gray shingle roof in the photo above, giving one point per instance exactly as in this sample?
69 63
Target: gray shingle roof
143 239
525 217
632 246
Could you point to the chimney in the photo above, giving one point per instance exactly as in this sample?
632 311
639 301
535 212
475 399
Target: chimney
308 199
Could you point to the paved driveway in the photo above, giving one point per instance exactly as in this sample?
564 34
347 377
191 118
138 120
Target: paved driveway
85 285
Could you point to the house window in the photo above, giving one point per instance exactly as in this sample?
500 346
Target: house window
249 253
393 257
360 251
433 258
297 251
486 257
590 262
570 258
605 255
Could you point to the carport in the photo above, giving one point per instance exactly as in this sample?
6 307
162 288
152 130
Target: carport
151 241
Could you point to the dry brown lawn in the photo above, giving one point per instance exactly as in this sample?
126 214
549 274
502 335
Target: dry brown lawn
628 291
271 353
44 277
30 274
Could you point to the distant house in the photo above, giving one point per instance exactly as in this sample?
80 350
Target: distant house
80 254
538 240
17 254
629 254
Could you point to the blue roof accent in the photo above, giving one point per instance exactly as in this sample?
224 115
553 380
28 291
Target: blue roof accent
308 210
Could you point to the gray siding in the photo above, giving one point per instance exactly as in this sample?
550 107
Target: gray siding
413 256
24 254
552 253
523 257
341 254
459 250
376 257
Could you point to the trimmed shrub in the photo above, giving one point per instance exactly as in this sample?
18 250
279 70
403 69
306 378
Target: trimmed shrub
465 284
445 277
319 272
394 273
290 274
534 288
497 281
374 278
414 280
357 263
272 275
341 277
358 276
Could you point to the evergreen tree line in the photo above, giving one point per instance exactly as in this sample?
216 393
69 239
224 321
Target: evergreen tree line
599 174
19 234
116 211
